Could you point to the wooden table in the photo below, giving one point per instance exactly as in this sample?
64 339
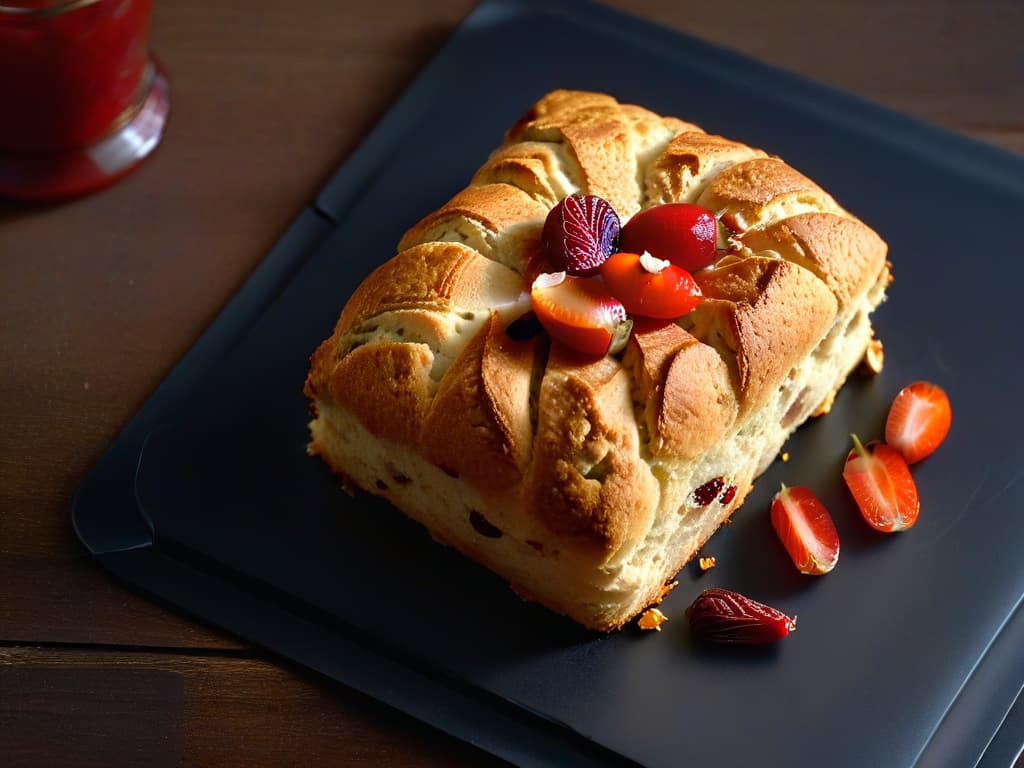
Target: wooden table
99 297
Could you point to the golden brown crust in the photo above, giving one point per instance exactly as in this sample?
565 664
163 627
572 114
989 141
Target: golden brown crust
499 221
688 398
387 386
770 312
845 253
585 469
588 486
479 421
689 163
435 276
605 139
747 194
536 167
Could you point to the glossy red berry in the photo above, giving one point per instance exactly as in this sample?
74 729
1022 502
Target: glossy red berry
685 234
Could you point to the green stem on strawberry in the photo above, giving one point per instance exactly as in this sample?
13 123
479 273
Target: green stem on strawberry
861 451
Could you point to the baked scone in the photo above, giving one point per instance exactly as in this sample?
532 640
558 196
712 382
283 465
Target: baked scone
589 483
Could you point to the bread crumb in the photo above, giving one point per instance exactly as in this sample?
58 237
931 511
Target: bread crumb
874 357
652 618
665 590
784 456
826 405
706 563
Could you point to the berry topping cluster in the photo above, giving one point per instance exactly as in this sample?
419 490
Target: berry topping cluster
603 274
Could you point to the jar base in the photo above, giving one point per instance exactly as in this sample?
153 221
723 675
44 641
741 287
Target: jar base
48 177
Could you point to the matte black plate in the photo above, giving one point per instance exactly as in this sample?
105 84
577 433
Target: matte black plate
908 652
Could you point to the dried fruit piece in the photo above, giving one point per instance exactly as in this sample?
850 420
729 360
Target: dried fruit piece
880 481
919 420
580 233
580 313
806 530
652 618
724 616
483 526
685 234
705 494
650 287
727 495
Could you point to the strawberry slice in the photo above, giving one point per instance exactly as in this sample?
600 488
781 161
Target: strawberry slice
806 530
580 313
918 420
880 481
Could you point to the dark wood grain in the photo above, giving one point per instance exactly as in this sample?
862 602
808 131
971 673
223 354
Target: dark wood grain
106 708
100 296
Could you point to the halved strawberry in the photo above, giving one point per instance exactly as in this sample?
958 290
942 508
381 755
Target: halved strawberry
580 313
918 420
880 481
806 530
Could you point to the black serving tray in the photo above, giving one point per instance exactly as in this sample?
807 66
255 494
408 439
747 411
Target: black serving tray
910 652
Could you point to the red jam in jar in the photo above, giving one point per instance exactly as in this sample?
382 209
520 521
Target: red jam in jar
74 75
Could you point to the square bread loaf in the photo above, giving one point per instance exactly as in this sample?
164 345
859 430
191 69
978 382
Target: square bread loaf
588 483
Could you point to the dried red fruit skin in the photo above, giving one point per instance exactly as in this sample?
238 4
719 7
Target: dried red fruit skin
723 616
580 233
483 526
728 495
705 494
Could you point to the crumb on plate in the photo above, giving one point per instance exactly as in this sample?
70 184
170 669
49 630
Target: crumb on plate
652 618
874 358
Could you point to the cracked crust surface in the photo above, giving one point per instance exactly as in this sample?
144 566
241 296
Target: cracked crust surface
574 478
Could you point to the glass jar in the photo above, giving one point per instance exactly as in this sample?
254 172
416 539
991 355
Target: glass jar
81 101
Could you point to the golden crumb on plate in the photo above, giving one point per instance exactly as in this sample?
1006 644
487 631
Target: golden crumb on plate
874 357
707 563
784 456
652 618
